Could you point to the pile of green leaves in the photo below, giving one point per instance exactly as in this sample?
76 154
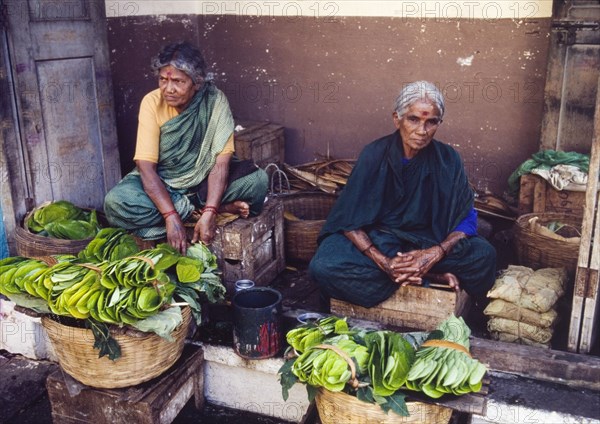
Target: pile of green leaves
388 364
138 290
63 220
109 244
441 370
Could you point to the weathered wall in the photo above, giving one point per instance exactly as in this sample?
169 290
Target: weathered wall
331 80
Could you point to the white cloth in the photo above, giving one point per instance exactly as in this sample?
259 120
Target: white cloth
564 177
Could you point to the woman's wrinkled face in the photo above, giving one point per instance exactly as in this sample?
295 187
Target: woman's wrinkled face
417 126
176 87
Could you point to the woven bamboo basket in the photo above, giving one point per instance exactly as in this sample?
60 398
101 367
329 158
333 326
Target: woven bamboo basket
143 355
537 251
300 235
29 244
340 407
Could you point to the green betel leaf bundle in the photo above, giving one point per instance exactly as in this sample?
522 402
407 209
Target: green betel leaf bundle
311 334
110 244
63 220
328 365
381 367
445 365
391 357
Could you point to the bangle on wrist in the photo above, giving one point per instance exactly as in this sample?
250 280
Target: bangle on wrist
212 209
168 214
366 248
443 250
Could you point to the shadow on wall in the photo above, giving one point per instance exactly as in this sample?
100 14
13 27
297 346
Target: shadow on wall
3 241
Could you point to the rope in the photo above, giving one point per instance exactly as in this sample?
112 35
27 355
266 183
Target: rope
447 344
353 380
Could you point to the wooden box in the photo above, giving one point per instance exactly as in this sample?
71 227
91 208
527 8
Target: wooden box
410 307
157 401
536 195
262 142
252 248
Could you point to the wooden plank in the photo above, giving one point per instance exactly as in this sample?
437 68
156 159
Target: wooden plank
252 248
552 200
582 274
526 190
590 308
412 307
157 401
575 370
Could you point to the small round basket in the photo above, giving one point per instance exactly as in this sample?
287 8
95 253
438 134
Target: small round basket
143 355
300 235
29 244
340 407
536 250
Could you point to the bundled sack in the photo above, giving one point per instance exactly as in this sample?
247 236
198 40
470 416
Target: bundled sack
521 331
511 338
502 309
535 290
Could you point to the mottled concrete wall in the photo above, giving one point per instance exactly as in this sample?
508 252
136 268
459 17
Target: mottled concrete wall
332 81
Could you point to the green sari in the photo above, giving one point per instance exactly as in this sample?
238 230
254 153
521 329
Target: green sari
188 150
401 207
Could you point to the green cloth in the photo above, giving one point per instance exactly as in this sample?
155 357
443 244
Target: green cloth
402 208
546 159
188 149
421 202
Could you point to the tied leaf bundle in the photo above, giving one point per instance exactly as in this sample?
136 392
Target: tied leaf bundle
136 290
110 244
63 220
311 334
390 360
23 280
445 366
378 366
328 365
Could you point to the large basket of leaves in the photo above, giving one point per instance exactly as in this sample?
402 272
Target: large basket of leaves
304 216
362 376
143 355
113 313
55 228
340 407
548 240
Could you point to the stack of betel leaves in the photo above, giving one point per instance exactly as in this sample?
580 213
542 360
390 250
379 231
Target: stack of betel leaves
112 282
381 366
63 220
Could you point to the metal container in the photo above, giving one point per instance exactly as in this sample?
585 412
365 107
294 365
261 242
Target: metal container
257 329
243 285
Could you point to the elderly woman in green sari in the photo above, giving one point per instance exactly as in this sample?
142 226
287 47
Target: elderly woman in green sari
184 158
406 215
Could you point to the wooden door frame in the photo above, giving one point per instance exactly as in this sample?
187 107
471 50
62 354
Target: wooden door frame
14 191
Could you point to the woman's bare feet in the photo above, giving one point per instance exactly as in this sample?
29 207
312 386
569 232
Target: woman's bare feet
238 207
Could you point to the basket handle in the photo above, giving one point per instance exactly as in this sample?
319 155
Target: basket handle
353 380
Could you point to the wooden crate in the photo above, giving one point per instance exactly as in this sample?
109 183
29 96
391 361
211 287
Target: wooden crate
537 195
156 402
262 142
410 307
252 248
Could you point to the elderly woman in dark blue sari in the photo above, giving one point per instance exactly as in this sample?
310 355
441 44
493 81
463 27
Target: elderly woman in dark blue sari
406 215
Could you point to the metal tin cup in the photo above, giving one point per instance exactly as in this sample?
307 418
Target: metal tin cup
243 285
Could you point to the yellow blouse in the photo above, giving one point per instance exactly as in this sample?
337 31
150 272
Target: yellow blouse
154 112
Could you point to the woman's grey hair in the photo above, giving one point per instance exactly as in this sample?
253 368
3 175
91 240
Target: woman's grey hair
419 90
184 57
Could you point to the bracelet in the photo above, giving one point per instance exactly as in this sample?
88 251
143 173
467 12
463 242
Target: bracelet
210 209
443 250
168 214
366 248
